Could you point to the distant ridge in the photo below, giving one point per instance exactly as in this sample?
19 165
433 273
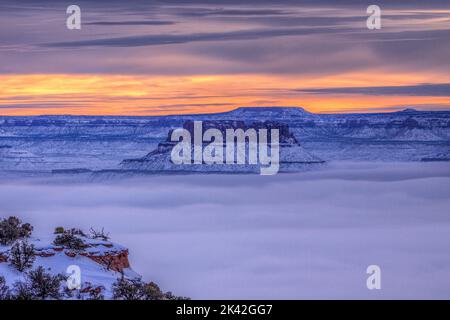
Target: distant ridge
270 109
283 112
269 112
408 110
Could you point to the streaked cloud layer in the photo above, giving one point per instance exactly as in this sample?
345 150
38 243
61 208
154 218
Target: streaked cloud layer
440 89
144 57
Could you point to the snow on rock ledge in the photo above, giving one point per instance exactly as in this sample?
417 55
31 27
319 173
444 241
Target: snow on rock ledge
112 256
101 263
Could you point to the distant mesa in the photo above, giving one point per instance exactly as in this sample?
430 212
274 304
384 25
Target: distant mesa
268 112
271 109
293 156
408 110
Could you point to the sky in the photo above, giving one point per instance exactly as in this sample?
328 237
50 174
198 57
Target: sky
177 57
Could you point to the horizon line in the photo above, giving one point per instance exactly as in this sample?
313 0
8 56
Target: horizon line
355 111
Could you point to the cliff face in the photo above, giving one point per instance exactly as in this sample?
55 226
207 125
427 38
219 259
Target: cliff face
116 261
285 136
109 255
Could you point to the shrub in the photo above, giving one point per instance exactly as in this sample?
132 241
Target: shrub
169 296
135 289
59 230
96 294
5 293
76 232
22 255
124 289
69 239
22 292
99 234
39 285
153 292
12 229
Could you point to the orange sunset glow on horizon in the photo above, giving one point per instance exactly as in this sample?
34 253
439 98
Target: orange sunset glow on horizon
164 95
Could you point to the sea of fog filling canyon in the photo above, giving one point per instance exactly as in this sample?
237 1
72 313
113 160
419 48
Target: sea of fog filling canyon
300 235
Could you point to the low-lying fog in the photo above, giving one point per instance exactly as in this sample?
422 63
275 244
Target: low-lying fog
305 235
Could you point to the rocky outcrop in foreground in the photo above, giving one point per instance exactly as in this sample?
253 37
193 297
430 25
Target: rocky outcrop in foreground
70 264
